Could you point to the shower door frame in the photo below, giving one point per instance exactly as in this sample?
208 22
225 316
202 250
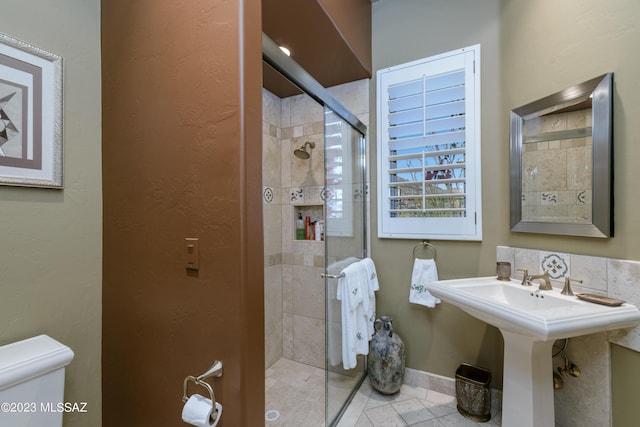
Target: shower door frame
346 241
273 56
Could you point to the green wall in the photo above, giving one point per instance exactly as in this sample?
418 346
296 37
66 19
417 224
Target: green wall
439 340
51 251
625 380
529 50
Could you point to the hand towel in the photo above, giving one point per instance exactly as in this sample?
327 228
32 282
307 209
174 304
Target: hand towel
424 272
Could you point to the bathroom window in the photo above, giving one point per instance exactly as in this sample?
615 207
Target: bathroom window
429 148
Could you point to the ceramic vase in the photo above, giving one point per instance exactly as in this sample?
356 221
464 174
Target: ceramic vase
386 358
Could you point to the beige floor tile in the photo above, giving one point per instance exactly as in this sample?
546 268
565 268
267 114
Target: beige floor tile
297 391
412 411
385 416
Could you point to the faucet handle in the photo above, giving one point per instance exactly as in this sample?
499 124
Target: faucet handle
525 276
566 290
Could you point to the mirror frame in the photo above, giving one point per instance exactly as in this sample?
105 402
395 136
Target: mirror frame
601 88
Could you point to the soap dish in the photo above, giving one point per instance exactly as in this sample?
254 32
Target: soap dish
599 299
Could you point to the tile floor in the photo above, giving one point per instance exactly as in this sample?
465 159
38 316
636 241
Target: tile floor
296 391
412 406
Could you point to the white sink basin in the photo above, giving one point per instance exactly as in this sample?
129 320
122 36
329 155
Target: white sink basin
530 321
543 315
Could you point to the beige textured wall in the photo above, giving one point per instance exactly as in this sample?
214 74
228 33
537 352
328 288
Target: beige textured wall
439 340
272 226
529 50
50 280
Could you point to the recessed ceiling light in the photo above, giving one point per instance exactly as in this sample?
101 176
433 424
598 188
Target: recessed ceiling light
285 50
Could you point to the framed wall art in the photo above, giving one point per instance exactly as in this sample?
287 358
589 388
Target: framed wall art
30 115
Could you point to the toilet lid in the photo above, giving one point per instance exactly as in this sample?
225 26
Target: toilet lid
23 360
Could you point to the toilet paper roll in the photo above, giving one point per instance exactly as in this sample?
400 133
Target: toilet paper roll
197 412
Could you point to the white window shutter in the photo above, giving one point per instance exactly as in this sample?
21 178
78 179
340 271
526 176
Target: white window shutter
429 148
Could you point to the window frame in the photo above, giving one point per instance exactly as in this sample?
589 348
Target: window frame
468 227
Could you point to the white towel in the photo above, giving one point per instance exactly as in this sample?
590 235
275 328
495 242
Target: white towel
352 287
352 290
334 341
424 272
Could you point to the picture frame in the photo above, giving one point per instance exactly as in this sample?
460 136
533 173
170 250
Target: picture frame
31 97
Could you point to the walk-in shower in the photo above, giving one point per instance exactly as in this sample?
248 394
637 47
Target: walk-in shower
305 382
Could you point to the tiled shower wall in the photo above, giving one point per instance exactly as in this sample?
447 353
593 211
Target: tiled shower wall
294 290
589 394
272 224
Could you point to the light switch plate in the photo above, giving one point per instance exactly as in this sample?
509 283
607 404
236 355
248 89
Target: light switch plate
192 252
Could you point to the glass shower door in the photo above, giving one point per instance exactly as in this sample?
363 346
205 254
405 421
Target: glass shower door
345 243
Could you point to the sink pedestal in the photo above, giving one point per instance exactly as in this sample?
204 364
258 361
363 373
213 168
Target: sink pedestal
527 382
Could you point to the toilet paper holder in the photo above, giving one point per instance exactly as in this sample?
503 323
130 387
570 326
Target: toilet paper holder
214 371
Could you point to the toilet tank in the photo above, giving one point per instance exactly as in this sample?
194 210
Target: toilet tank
32 382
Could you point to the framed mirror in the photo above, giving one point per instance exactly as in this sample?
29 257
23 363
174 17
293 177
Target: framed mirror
561 157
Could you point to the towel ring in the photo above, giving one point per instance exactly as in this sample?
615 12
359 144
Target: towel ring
425 244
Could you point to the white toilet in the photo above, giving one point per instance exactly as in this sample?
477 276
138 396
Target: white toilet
32 382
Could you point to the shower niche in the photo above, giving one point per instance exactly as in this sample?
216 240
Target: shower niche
314 229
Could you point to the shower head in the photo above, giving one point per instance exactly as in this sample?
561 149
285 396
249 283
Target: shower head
302 152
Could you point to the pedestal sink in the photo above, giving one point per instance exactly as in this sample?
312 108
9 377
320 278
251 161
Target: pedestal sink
530 321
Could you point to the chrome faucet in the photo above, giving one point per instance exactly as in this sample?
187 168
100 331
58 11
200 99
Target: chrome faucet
545 284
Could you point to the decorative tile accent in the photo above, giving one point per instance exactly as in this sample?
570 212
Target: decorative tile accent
268 194
297 195
328 193
549 198
324 193
357 192
582 197
556 264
